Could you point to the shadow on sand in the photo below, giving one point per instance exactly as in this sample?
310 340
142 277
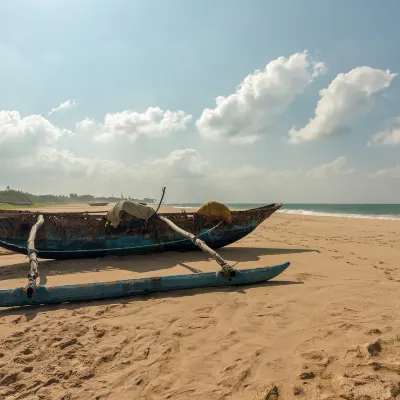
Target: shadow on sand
141 263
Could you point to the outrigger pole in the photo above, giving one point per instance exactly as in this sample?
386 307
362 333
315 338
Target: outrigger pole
226 270
31 287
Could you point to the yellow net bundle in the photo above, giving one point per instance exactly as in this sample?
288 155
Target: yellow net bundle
212 210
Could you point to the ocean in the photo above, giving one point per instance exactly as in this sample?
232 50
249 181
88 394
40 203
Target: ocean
370 211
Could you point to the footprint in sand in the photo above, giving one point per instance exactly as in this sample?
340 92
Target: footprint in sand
369 371
373 331
305 276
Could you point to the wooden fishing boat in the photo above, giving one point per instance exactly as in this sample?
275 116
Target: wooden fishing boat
131 287
78 235
97 204
84 235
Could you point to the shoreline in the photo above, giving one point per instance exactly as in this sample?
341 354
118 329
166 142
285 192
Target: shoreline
310 213
173 207
340 215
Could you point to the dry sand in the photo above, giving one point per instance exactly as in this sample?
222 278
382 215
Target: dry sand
327 328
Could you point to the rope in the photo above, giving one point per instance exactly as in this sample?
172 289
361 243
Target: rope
32 251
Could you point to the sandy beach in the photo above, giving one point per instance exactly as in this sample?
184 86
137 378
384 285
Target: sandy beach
327 328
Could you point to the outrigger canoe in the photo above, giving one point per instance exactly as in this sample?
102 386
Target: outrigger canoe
85 235
77 235
132 287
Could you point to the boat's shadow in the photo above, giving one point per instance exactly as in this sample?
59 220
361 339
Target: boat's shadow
142 264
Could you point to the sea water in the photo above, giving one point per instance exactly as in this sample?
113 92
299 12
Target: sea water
370 211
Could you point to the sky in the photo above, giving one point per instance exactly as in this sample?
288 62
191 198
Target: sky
234 101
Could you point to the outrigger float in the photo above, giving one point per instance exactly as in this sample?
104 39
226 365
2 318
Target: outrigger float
142 230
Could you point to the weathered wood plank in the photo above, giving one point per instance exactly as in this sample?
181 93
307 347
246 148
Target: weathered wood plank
31 287
227 270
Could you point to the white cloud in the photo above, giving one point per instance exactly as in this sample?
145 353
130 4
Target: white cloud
179 163
49 170
348 96
243 172
86 125
19 135
318 69
154 122
240 117
244 140
389 136
236 184
338 167
64 106
393 173
58 168
65 164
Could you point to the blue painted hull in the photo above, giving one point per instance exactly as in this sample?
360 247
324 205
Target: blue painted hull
131 287
68 236
129 247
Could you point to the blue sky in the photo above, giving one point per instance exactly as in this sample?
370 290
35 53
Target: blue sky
181 55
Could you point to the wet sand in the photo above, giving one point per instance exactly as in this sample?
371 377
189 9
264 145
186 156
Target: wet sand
327 328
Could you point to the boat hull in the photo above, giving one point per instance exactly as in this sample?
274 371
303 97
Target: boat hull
69 236
131 287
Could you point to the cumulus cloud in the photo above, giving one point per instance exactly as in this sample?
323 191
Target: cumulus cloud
179 163
65 167
348 96
241 117
338 167
86 125
392 173
21 134
64 106
65 164
389 136
61 171
154 122
29 148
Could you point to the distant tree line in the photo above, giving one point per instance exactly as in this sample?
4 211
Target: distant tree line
12 196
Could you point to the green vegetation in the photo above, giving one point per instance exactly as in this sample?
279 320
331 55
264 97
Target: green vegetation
5 206
10 199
